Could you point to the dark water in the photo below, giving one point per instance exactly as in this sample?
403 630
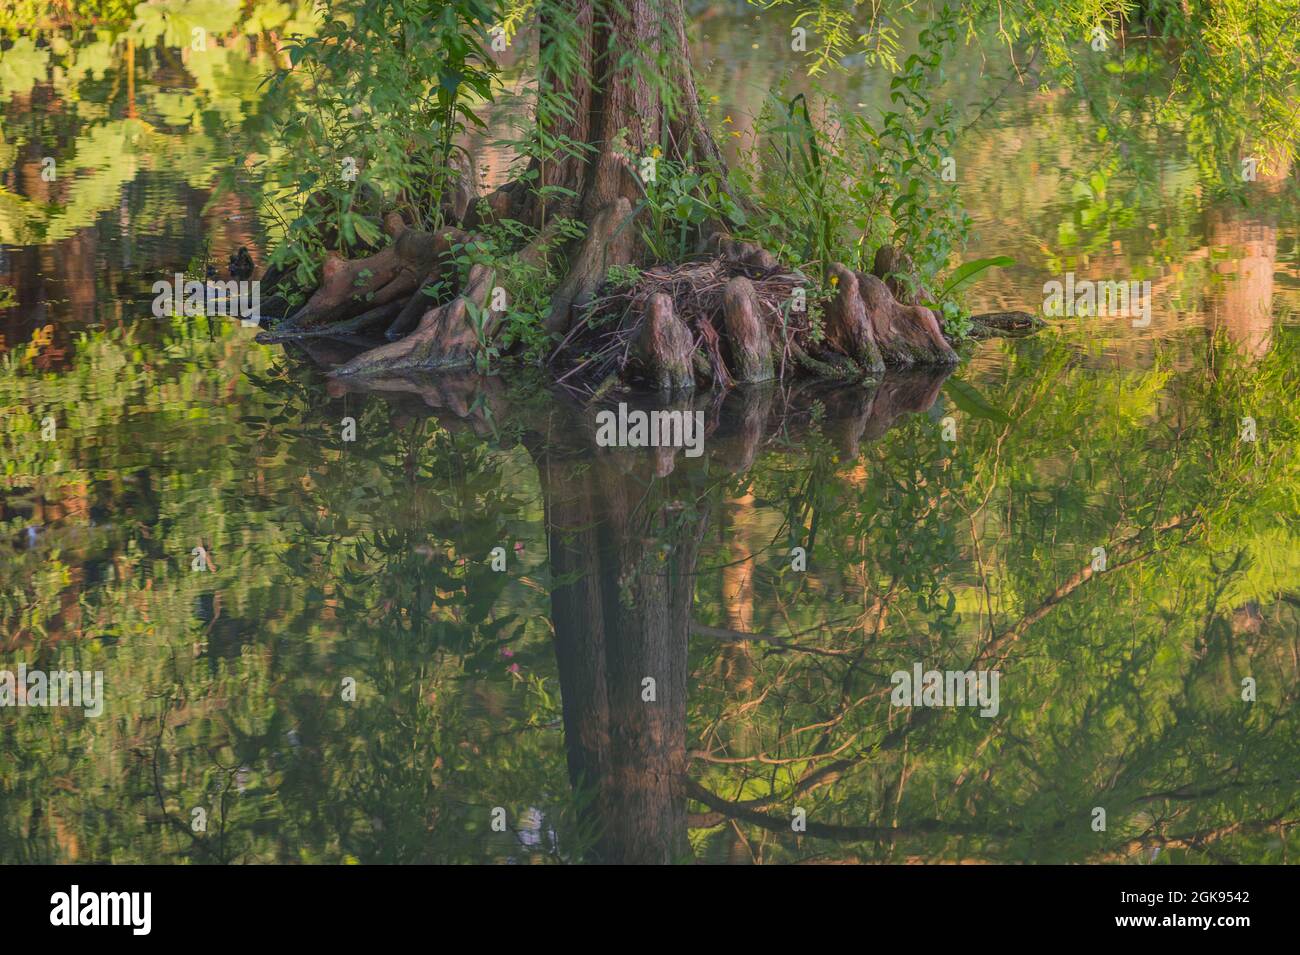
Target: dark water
341 674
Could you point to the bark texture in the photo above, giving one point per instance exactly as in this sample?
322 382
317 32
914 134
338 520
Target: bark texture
598 64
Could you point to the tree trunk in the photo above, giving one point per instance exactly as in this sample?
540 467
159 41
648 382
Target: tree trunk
622 622
626 120
618 96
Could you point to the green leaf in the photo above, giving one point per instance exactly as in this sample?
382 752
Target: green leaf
968 270
969 400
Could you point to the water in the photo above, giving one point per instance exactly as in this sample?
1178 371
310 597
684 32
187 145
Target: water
340 674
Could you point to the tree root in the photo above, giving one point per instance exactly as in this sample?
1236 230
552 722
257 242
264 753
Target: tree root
462 191
409 317
905 334
867 323
666 347
895 268
365 322
608 242
672 333
746 253
848 327
751 350
447 336
514 200
354 287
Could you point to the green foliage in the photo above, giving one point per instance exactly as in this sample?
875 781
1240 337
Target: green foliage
487 352
677 202
1220 74
224 686
528 284
1223 70
19 16
622 276
543 140
955 320
969 271
910 146
837 189
367 559
838 37
383 93
107 131
1122 689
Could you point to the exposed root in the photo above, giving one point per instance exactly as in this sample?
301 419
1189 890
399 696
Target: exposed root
905 334
367 321
447 336
746 253
351 287
415 306
462 192
831 365
496 206
738 307
751 349
709 363
731 318
534 254
895 268
602 342
608 242
548 238
665 347
848 327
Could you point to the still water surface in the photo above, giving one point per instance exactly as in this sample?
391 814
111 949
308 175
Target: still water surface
956 523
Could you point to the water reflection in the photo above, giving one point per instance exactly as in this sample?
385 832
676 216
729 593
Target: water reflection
524 690
624 533
953 523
